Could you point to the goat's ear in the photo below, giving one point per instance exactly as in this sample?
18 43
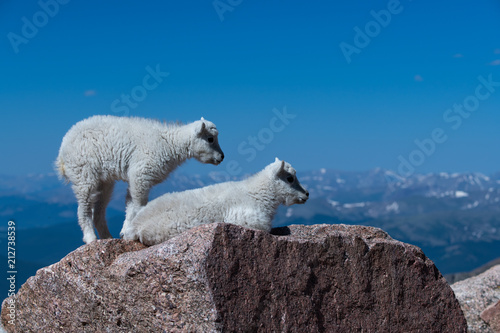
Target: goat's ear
200 128
282 166
278 166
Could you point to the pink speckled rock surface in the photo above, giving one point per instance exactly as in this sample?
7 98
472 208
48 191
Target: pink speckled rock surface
475 294
492 316
224 278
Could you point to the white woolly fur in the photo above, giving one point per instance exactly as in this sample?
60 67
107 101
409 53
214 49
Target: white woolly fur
249 203
99 150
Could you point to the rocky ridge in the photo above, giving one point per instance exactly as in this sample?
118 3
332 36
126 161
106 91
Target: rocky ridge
220 277
479 297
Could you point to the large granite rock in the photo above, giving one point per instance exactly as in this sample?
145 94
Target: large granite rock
219 277
492 316
477 294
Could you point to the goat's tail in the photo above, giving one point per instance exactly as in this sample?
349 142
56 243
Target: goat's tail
61 169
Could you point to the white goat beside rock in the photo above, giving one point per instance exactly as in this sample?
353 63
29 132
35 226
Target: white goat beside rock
249 203
101 149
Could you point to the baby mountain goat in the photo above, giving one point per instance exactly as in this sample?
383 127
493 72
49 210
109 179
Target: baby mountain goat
249 203
101 149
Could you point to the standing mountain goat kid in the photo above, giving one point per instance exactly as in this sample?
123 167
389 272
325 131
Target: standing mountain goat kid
249 203
101 149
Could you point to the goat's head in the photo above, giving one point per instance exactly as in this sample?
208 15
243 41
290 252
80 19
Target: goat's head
288 188
204 145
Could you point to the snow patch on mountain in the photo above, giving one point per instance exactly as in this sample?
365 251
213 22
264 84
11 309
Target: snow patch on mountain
471 205
333 203
393 207
354 205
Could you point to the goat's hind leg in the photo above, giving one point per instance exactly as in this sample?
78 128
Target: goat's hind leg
105 191
85 195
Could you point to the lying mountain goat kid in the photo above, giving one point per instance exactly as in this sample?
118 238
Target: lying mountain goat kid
101 149
250 203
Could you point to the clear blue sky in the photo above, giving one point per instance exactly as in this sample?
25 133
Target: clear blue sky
235 63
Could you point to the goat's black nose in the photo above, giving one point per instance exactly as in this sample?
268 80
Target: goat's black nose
307 194
222 155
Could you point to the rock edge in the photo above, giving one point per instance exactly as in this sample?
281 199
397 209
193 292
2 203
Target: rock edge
221 277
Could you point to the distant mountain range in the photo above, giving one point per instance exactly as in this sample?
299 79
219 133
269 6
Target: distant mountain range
454 218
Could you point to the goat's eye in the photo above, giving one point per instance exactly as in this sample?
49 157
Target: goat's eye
290 179
210 140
